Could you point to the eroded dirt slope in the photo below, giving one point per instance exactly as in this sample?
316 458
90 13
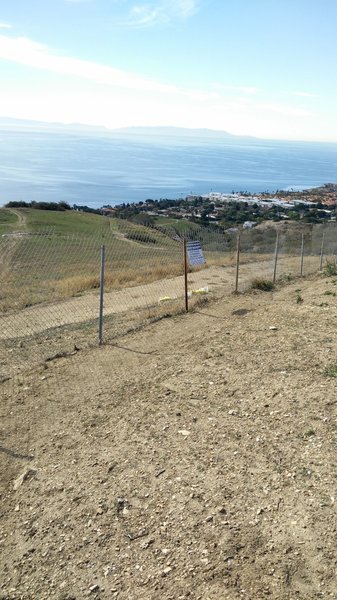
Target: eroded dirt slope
194 459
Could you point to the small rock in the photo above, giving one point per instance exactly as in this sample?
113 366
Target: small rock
273 328
27 474
184 432
94 588
121 503
166 571
147 544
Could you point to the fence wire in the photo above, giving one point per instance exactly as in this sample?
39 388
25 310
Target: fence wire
88 432
50 283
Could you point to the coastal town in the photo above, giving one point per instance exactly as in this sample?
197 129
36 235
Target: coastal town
225 209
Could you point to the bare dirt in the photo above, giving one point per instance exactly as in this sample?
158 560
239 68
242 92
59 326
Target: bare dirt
219 280
193 459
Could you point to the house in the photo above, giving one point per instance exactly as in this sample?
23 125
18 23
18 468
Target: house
108 211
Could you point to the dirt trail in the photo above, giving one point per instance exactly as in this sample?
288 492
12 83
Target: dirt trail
192 460
8 248
119 235
219 280
22 220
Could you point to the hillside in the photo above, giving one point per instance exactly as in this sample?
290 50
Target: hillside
194 458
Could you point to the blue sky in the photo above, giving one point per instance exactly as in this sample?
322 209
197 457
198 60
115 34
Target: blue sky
257 67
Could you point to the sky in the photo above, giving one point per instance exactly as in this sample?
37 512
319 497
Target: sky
264 68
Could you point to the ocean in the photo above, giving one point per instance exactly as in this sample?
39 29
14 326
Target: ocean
96 170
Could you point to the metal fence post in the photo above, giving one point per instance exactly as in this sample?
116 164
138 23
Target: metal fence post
237 263
185 274
276 256
101 297
302 255
322 253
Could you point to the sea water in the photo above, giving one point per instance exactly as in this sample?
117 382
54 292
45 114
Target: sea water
96 170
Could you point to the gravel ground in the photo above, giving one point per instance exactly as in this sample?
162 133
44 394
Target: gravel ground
193 459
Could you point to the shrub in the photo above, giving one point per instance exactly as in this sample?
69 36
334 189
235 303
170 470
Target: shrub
330 269
265 285
139 236
331 370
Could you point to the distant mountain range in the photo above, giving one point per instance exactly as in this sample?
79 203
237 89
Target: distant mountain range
95 165
143 133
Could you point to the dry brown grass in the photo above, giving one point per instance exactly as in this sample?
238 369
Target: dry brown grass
16 297
18 291
173 307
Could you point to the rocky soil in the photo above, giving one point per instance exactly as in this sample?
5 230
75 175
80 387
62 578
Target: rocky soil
192 459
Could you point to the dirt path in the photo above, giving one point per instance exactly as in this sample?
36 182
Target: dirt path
119 235
218 280
193 460
22 220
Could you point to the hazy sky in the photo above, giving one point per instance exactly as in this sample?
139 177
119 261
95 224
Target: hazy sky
258 67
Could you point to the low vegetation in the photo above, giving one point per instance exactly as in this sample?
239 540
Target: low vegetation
49 255
331 370
264 285
330 268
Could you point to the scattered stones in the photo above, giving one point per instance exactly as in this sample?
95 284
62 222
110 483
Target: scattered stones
240 312
28 473
121 504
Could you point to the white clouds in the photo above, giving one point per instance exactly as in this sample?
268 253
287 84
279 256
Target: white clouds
304 94
288 111
5 26
32 54
249 90
160 12
69 89
27 52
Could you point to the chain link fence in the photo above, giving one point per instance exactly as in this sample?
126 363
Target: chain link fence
49 297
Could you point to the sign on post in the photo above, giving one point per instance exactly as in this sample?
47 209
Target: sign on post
195 254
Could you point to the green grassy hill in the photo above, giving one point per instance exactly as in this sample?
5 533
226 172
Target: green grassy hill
60 222
50 255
